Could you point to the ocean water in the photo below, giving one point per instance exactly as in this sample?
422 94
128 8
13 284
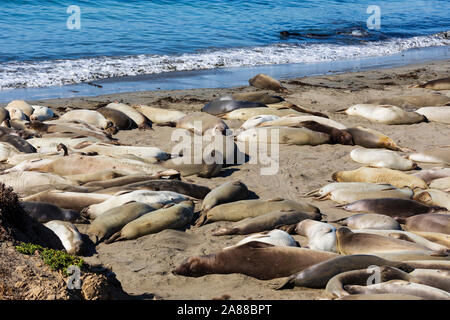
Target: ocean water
40 48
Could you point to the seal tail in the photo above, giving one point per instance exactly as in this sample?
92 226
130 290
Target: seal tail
312 193
115 237
283 283
201 220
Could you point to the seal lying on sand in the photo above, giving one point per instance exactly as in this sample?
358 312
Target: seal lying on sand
160 116
259 97
380 175
321 236
284 135
423 100
434 198
255 259
430 222
433 173
437 114
369 221
137 117
45 212
227 192
275 237
382 159
386 114
221 106
119 119
369 138
68 234
392 207
199 122
433 155
317 276
438 84
263 81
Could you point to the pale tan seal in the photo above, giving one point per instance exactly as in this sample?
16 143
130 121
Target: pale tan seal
369 138
369 221
263 81
321 236
227 192
380 175
387 114
430 222
68 234
441 184
160 116
382 159
296 119
90 116
138 118
284 135
199 122
433 173
22 106
438 84
437 114
439 154
423 100
433 197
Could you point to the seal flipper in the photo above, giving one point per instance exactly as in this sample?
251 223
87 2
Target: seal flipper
224 231
115 237
283 283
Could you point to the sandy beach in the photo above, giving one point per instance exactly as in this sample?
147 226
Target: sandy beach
144 266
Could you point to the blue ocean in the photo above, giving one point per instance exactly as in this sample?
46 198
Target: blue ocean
52 43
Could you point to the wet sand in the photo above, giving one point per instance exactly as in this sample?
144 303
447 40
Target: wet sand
144 265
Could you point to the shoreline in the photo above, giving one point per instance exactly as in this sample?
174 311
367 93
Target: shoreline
222 78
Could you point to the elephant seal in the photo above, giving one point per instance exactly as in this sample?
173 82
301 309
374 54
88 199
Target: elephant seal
68 234
433 197
285 135
275 237
423 100
430 264
41 113
348 242
174 216
45 212
239 210
437 114
20 105
160 116
199 122
148 197
227 192
18 143
220 106
369 221
296 119
400 287
256 120
387 114
362 277
119 119
336 136
189 189
343 196
263 81
439 279
136 116
145 152
380 175
4 115
90 116
369 138
98 176
438 84
16 115
68 200
433 155
433 173
435 237
115 219
259 97
429 222
382 159
186 166
317 276
255 259
268 221
326 191
441 184
402 208
321 236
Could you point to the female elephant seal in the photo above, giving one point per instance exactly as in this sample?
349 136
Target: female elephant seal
438 84
434 197
68 234
433 155
297 118
41 113
423 100
45 212
400 287
275 237
437 114
199 122
119 119
22 106
18 143
227 192
160 116
369 221
255 259
187 166
380 175
221 106
386 114
343 196
257 120
369 138
121 198
115 219
259 97
337 136
433 173
382 159
439 279
92 117
362 277
239 210
317 276
326 191
430 222
349 242
268 221
174 216
321 236
263 81
402 208
137 117
441 184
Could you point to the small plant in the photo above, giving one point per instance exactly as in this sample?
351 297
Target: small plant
56 259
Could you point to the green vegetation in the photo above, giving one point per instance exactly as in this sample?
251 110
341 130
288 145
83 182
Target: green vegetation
56 259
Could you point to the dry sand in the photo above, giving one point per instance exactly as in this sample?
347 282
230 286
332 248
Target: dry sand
144 266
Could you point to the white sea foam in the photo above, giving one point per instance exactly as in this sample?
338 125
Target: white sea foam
60 72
